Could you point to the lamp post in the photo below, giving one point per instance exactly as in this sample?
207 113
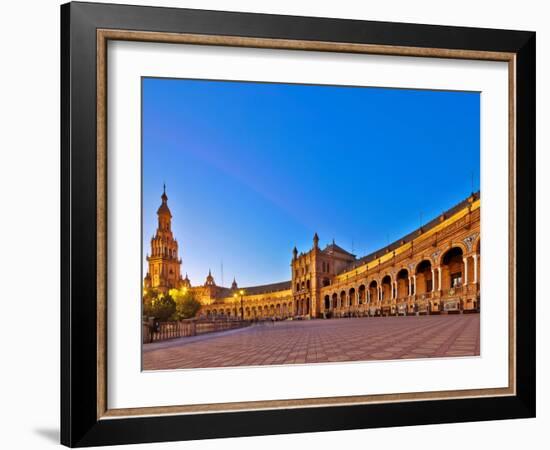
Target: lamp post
235 297
241 293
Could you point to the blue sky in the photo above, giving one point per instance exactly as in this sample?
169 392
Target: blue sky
252 169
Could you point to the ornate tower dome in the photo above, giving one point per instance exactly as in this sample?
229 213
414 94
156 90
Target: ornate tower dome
186 282
210 279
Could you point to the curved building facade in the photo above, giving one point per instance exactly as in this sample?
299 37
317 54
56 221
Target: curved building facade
434 269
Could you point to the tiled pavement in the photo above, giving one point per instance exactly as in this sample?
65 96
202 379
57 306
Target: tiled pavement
298 342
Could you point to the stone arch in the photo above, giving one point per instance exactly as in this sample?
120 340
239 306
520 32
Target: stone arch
342 299
362 294
351 297
327 302
334 300
423 258
402 280
386 285
452 267
373 291
424 279
445 249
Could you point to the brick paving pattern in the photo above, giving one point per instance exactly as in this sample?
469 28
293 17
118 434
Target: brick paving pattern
337 340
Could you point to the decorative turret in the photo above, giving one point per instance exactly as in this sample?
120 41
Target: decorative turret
295 252
210 279
234 285
147 281
186 282
164 214
315 241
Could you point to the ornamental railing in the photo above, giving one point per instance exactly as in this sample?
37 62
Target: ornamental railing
423 296
160 331
454 291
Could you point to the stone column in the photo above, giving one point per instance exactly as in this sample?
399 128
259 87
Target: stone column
465 260
439 278
475 268
410 286
413 292
433 279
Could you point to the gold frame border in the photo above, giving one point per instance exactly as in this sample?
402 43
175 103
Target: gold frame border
103 36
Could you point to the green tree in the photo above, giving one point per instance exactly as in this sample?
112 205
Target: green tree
187 305
161 307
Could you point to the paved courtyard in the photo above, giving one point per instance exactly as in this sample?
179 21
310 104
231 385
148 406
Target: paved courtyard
299 342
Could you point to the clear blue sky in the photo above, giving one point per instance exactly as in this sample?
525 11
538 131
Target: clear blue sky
252 169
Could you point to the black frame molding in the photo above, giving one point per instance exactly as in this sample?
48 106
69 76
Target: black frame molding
79 355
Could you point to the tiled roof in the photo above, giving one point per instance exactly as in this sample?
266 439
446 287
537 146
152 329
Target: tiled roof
409 237
265 288
336 248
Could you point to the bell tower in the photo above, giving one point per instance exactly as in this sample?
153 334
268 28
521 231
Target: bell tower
164 263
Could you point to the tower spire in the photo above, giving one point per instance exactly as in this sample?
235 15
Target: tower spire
164 264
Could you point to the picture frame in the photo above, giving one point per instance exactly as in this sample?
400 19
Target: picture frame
86 418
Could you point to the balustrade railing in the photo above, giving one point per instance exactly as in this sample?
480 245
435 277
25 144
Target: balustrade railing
161 331
423 296
454 291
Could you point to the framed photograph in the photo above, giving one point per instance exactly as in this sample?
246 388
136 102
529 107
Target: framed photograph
274 224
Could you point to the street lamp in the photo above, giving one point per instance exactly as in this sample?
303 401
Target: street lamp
241 292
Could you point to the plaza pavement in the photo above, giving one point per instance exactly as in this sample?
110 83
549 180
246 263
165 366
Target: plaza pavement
314 341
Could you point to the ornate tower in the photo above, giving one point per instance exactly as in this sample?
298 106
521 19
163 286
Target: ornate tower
313 270
164 263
